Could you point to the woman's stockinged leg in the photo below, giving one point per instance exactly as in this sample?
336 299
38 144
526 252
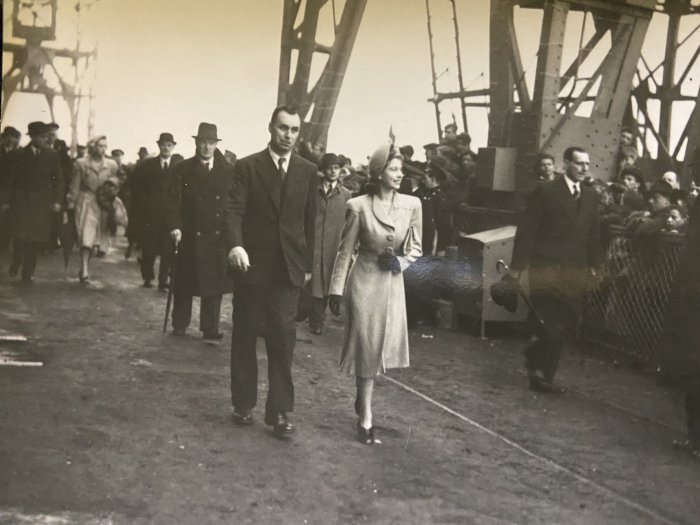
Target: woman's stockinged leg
365 388
84 260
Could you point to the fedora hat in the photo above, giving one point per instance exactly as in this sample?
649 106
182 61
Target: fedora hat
36 128
206 131
166 137
9 131
329 159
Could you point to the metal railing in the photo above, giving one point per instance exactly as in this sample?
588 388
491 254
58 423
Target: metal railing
627 311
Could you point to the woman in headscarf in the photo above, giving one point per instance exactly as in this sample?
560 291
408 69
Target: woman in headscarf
94 178
381 238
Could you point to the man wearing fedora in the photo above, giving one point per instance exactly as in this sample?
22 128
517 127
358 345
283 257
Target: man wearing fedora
270 215
331 197
150 186
35 193
195 219
9 143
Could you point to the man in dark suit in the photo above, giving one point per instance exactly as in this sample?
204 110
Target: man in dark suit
9 142
558 242
151 181
35 194
195 219
270 217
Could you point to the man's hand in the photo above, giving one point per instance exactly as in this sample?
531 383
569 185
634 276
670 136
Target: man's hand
176 236
56 208
334 304
307 278
238 259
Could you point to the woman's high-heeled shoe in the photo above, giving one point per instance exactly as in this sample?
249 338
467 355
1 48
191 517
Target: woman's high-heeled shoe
365 435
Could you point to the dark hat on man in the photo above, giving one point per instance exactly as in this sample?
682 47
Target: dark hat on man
662 187
206 131
36 128
431 146
329 159
9 131
52 125
634 172
144 150
117 152
166 137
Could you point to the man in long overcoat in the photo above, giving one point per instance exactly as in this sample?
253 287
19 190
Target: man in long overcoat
36 193
195 219
270 218
151 182
558 242
9 143
330 219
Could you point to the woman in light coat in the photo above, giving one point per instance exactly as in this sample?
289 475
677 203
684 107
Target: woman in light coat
381 238
89 173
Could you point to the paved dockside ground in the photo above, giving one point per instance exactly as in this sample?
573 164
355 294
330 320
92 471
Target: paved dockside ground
116 423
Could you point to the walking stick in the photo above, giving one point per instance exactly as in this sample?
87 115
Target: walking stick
170 290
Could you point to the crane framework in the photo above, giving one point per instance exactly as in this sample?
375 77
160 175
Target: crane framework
34 61
587 101
301 52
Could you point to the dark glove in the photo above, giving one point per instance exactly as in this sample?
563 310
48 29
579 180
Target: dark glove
334 304
388 262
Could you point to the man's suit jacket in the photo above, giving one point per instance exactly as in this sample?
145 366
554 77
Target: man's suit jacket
558 238
36 185
271 219
196 207
150 186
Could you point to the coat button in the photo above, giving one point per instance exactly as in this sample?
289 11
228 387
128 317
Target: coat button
199 234
217 197
389 237
216 232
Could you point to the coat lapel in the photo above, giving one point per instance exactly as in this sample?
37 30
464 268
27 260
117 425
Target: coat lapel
270 177
380 213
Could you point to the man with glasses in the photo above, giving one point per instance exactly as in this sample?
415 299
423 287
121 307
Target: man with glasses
558 242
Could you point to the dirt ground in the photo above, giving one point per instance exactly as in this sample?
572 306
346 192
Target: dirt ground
121 424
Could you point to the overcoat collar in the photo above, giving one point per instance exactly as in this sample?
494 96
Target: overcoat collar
380 213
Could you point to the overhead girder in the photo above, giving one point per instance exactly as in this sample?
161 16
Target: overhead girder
316 102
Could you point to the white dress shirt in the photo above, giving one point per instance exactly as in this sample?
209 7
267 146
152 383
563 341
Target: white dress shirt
276 159
573 185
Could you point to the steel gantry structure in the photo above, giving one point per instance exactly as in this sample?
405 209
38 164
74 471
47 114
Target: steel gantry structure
32 59
589 99
301 53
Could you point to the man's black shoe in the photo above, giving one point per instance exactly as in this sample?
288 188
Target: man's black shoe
281 425
147 284
243 418
163 287
213 339
546 387
179 332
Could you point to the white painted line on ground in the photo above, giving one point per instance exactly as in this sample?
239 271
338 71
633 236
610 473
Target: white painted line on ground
11 362
551 463
13 338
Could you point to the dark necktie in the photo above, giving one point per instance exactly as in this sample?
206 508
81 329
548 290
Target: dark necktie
576 193
329 190
165 165
282 171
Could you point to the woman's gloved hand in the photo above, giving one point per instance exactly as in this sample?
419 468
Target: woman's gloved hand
334 302
388 262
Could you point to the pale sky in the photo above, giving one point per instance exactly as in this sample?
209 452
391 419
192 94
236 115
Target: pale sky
166 65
